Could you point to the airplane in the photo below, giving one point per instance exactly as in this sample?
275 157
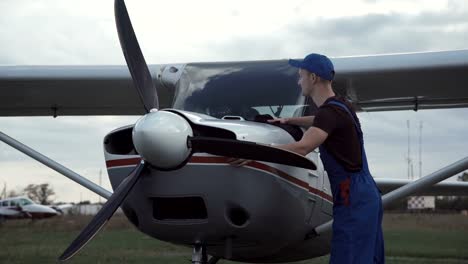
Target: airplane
21 207
170 172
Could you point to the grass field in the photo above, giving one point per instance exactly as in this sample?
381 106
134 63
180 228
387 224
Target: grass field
408 238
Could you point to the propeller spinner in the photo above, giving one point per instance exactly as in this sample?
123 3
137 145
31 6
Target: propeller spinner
161 139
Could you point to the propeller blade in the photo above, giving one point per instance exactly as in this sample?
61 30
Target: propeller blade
249 150
135 61
104 214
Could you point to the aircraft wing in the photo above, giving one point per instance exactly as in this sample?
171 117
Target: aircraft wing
405 81
72 90
61 207
374 83
445 188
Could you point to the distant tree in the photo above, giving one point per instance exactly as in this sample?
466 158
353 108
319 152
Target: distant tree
463 177
12 193
454 203
5 193
40 193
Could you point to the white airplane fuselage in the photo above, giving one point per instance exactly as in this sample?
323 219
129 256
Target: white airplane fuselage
21 208
261 212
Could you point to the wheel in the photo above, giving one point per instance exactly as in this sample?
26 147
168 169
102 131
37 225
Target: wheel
214 260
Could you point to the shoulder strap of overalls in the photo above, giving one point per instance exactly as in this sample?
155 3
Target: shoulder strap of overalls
344 107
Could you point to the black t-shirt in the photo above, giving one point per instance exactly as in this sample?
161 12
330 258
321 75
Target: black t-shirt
343 140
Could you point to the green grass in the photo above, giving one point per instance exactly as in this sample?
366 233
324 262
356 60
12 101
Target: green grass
408 238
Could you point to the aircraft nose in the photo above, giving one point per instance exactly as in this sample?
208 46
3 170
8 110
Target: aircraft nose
161 139
41 209
52 211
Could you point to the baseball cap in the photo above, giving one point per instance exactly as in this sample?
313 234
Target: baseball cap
316 63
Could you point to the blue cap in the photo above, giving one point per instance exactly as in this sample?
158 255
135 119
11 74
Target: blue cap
316 63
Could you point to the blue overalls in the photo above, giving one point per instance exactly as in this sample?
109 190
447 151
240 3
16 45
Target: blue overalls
357 209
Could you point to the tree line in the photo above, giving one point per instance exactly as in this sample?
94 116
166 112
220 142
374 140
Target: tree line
40 193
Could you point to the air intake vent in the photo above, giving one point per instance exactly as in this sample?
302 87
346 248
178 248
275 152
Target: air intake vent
120 142
179 208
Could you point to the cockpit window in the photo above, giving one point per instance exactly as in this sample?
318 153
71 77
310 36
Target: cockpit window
5 203
240 89
24 201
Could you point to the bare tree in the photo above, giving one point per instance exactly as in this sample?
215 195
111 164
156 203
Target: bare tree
40 193
463 177
12 193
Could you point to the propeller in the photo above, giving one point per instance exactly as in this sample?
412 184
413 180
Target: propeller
144 85
106 212
249 150
136 62
164 139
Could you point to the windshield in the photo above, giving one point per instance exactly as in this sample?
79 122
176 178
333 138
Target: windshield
240 89
26 201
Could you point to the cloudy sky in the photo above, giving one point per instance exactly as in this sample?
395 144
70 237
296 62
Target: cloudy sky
53 32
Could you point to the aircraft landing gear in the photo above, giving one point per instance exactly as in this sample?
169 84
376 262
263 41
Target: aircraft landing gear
199 255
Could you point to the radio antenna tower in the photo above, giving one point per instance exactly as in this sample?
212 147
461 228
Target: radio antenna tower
4 191
420 148
100 183
409 151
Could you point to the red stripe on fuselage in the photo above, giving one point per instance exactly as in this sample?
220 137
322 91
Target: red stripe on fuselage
264 167
220 160
122 162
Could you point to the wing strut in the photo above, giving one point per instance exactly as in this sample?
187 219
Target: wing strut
55 166
409 189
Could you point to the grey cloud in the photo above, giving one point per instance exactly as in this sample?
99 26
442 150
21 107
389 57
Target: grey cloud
52 34
387 33
367 34
350 26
